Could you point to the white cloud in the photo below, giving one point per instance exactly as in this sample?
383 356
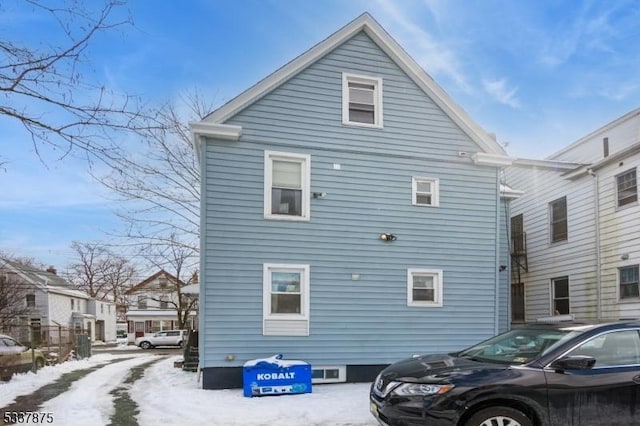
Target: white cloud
501 92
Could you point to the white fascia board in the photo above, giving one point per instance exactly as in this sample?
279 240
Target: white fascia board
495 160
547 164
390 47
509 193
219 131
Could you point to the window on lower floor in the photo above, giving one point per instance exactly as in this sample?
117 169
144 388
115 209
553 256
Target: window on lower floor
329 374
424 287
286 299
628 277
560 289
627 187
31 300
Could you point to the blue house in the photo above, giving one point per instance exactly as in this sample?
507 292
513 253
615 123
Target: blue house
352 215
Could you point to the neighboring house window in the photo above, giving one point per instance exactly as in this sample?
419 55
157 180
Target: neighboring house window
424 287
560 289
627 188
629 282
164 304
287 183
424 191
558 215
142 302
101 308
361 100
286 299
31 300
72 304
162 282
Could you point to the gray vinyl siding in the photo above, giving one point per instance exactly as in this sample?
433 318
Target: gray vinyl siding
363 321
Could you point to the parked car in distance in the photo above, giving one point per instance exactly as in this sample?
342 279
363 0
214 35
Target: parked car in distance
541 374
163 338
17 358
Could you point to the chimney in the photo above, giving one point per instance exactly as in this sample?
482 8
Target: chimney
52 270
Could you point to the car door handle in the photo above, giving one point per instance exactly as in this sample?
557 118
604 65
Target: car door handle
636 379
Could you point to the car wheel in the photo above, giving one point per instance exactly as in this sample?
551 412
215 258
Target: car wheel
502 416
145 345
39 363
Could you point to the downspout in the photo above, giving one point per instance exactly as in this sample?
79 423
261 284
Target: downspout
596 200
496 322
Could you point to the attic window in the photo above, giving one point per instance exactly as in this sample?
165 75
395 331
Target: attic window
361 100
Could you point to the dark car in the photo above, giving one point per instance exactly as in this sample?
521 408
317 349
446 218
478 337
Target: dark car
542 374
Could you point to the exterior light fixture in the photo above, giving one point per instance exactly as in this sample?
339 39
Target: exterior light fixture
319 194
385 236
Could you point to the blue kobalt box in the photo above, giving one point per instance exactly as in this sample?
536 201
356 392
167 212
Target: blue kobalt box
275 376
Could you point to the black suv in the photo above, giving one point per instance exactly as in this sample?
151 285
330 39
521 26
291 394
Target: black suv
543 374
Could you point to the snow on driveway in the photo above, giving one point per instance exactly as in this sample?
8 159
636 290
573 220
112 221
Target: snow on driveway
88 401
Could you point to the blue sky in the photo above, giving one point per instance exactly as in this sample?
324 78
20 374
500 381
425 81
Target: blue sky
539 74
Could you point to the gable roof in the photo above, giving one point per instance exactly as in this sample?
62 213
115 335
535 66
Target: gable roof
141 286
214 125
44 280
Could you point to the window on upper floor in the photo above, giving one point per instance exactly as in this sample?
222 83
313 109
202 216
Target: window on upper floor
72 304
102 308
424 287
558 220
361 100
628 278
31 300
164 304
287 182
627 187
560 295
425 191
142 302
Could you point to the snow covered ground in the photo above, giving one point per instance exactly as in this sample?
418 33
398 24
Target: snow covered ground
169 396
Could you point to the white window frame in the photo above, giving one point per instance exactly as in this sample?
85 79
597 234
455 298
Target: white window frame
552 239
437 287
268 268
305 179
554 297
617 184
619 284
377 99
342 374
435 192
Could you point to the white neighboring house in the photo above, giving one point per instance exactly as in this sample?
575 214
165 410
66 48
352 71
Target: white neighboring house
51 303
153 305
575 231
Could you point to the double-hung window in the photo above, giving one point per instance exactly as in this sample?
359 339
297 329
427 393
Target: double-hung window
558 220
560 289
287 182
629 282
361 100
627 187
424 191
285 300
424 287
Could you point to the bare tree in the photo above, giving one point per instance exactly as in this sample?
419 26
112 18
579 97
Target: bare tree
48 88
99 272
159 189
181 261
13 303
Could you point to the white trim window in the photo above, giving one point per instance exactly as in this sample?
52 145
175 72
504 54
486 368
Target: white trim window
424 287
361 100
285 299
425 191
628 279
287 178
560 296
558 225
627 188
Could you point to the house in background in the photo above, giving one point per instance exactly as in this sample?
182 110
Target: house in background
51 304
577 226
153 304
352 215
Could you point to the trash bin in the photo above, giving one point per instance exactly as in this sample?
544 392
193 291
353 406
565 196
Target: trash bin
276 376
